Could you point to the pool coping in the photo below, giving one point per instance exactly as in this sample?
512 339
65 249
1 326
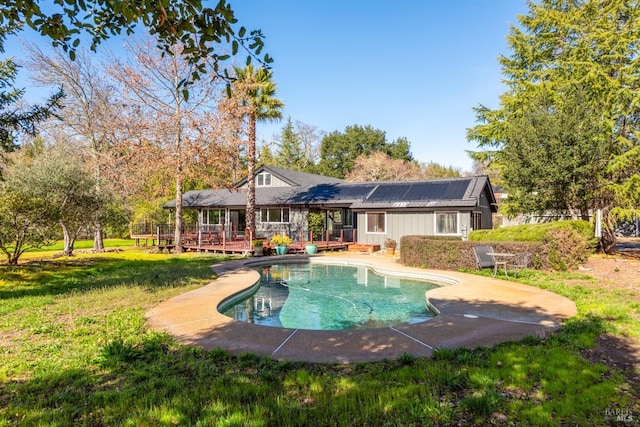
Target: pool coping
472 311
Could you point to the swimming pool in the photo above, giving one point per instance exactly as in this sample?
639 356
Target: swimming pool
331 297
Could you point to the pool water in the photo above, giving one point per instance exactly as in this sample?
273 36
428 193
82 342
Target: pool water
332 297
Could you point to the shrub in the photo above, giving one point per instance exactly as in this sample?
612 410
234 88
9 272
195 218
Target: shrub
390 243
568 242
567 248
279 240
535 232
455 254
560 245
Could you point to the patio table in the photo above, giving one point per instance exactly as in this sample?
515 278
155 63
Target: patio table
501 259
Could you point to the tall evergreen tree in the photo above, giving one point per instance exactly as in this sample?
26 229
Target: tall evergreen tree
290 152
339 150
567 131
400 149
266 156
12 118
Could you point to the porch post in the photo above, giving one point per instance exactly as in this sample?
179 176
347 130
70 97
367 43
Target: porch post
224 238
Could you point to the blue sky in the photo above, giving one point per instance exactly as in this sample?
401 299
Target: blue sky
412 68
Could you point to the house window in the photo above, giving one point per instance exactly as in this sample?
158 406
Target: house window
213 216
278 215
264 180
376 222
447 223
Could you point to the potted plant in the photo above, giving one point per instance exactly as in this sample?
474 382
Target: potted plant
257 248
280 242
311 248
390 245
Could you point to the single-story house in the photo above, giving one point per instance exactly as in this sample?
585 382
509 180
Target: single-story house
363 212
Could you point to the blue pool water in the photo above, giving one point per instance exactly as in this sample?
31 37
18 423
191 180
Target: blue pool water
332 297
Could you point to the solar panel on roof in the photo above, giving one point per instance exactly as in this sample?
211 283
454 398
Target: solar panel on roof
438 190
332 192
388 193
355 191
419 191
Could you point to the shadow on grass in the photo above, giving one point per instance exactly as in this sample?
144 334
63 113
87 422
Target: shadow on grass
57 277
155 382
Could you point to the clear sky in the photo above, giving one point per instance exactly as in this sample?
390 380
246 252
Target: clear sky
411 68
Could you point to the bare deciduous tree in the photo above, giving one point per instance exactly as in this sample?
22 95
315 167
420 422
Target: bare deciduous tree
379 166
169 128
90 110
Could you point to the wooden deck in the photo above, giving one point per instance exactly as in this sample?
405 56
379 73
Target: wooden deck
218 243
241 248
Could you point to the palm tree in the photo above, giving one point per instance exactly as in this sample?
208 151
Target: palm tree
255 91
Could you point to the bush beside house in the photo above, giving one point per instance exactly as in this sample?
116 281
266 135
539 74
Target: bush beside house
536 232
561 247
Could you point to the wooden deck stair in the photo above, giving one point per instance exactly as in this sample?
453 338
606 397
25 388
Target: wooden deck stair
358 247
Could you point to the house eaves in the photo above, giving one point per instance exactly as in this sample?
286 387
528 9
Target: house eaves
440 204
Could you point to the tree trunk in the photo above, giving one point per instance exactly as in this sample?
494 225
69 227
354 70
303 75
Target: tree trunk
608 240
12 258
251 179
68 241
178 228
98 242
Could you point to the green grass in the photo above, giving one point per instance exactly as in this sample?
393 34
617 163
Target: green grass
86 244
75 351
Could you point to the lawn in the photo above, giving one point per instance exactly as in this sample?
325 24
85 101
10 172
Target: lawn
85 244
75 350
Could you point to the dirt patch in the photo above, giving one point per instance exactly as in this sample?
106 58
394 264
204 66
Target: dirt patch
614 273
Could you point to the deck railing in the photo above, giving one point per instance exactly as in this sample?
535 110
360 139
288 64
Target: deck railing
228 237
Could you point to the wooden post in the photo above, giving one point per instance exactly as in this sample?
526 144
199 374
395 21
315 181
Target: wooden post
224 237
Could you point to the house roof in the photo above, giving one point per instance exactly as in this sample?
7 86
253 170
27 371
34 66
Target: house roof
316 190
293 178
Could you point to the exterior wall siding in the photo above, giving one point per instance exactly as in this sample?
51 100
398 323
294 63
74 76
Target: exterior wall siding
401 224
277 182
484 207
487 218
398 224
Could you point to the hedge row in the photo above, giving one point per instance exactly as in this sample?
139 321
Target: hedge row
562 246
439 254
535 232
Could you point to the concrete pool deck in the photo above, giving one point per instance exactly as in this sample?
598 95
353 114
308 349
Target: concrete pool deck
472 311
